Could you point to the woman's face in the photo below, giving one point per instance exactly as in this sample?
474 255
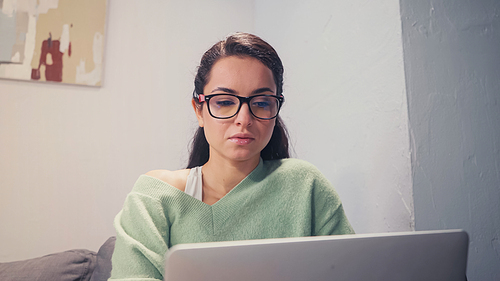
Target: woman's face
243 136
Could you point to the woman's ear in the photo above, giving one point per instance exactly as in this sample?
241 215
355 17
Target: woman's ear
198 109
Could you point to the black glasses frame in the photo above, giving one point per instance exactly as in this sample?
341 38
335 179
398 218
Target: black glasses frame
203 98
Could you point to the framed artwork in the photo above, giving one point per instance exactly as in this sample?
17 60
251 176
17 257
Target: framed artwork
59 41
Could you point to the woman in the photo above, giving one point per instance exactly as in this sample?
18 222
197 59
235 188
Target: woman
239 183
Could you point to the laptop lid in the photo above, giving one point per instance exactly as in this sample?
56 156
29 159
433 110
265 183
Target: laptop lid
423 255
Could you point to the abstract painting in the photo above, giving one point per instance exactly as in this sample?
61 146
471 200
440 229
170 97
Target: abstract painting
59 41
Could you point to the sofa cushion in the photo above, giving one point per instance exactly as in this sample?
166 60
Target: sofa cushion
65 266
102 269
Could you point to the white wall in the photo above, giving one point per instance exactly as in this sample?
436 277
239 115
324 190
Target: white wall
452 61
69 155
345 101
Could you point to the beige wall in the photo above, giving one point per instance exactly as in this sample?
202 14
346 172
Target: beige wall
70 154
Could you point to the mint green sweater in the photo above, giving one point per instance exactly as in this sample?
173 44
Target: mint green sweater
281 198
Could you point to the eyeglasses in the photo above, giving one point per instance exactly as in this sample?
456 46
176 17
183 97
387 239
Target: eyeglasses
224 106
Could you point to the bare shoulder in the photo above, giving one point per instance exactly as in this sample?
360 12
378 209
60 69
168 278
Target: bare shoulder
176 179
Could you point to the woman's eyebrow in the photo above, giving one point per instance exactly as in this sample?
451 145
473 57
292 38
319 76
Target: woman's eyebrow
262 90
222 89
231 91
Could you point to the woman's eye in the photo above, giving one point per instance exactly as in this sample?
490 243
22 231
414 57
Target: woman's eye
261 104
224 103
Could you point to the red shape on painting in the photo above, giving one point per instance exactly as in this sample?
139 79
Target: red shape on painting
53 72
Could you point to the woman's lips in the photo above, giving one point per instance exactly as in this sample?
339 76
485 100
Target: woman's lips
241 139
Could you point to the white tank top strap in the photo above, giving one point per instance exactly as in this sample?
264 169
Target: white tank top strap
194 183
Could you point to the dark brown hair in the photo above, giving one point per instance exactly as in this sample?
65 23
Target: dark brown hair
241 45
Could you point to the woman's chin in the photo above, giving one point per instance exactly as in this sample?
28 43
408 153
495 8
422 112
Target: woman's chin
243 157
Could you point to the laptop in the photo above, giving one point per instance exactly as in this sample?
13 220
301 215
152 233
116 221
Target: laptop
422 255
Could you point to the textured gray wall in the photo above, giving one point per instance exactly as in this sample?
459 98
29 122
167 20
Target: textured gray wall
452 68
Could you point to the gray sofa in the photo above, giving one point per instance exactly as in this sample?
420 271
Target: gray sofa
72 265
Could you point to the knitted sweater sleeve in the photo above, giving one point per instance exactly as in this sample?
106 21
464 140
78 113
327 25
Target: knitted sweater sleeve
141 237
328 212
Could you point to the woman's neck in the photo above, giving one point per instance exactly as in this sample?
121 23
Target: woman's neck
222 175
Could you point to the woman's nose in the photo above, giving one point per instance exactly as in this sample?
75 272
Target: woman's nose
244 116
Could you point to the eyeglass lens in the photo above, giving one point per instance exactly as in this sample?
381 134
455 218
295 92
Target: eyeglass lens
224 106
